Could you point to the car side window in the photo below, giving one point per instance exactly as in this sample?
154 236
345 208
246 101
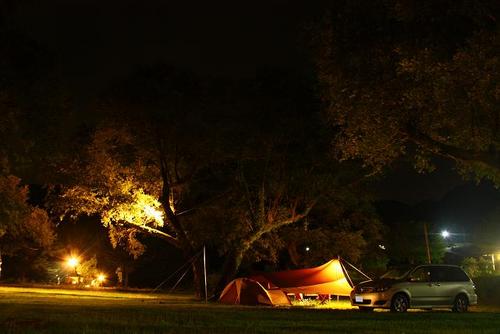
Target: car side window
455 274
420 275
440 274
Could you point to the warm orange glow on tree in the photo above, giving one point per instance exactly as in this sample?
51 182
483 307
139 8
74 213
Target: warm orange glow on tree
139 209
124 195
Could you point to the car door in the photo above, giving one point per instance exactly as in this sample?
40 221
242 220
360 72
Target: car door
439 282
448 282
420 287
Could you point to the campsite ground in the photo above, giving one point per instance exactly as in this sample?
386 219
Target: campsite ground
39 310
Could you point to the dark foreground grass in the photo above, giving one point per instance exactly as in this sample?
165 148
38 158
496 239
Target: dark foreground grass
59 311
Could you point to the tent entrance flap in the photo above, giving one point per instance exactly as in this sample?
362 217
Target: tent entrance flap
245 291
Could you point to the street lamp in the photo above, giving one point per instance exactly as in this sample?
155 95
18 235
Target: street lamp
445 234
73 263
101 278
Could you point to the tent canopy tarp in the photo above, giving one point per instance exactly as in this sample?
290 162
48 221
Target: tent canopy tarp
328 278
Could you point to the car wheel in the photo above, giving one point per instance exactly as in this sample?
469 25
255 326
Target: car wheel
365 309
461 304
400 303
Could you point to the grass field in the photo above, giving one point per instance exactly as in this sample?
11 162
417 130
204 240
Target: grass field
38 310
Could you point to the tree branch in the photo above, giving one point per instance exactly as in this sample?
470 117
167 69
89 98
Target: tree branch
152 231
293 219
453 152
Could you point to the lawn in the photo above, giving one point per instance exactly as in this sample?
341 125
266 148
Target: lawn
38 310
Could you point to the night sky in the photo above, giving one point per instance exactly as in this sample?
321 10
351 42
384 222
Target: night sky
96 43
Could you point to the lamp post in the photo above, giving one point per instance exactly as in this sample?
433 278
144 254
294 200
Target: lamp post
73 263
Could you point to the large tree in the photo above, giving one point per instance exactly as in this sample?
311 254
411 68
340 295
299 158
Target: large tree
24 229
150 148
224 169
418 78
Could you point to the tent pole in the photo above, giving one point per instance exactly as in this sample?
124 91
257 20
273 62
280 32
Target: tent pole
359 271
188 262
205 273
178 281
346 273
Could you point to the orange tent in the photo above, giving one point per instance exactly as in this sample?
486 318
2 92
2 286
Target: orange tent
246 291
329 278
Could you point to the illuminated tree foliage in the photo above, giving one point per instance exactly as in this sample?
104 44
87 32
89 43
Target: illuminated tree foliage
418 78
119 188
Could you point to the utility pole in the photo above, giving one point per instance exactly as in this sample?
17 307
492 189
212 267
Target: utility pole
426 235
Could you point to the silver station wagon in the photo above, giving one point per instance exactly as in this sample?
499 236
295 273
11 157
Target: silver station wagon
425 286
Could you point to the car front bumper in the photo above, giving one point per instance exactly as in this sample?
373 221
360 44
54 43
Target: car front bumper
371 299
472 299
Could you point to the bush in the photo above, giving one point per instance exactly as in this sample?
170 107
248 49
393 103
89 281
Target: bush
477 267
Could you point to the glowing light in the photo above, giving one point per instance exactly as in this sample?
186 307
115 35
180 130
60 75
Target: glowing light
72 262
154 214
307 249
101 278
445 234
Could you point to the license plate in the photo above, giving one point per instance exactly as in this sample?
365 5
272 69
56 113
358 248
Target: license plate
358 299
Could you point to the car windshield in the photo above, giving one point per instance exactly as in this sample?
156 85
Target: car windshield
396 273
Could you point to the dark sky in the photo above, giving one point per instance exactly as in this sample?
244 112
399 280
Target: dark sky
404 183
96 41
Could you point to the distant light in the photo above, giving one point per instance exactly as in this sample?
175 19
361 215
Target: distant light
307 249
445 234
381 246
101 278
73 261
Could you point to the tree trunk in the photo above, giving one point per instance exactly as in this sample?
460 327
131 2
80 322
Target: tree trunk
125 278
292 252
0 265
198 278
